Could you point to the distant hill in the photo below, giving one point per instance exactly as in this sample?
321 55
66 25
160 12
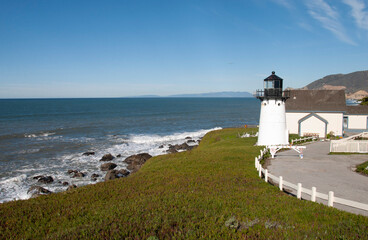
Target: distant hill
355 84
146 96
216 94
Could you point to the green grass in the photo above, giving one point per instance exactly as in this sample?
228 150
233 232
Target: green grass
188 195
346 153
362 168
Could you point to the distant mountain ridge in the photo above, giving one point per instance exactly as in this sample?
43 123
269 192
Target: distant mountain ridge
351 82
203 95
355 84
216 94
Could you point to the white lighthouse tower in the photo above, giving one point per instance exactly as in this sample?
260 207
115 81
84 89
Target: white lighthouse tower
272 122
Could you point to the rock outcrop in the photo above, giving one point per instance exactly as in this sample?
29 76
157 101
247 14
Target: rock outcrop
36 191
108 166
76 173
107 157
113 174
88 153
135 162
44 179
177 147
94 177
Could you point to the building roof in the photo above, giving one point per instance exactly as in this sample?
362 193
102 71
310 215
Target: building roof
272 77
357 110
316 100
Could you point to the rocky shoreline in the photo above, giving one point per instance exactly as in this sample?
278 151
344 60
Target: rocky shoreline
133 162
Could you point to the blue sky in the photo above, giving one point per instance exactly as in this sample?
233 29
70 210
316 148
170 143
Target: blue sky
74 48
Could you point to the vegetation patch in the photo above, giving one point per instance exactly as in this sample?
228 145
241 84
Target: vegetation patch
210 192
346 153
363 168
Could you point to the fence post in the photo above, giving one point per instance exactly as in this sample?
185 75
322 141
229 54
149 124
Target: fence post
260 171
280 183
255 162
330 198
299 191
313 196
266 175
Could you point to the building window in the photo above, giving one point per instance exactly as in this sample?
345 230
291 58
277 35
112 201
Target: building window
346 122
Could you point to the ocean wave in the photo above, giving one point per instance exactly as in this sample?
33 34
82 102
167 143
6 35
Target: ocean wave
13 188
141 139
12 180
26 151
42 134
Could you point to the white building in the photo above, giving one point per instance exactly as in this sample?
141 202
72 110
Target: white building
356 118
319 112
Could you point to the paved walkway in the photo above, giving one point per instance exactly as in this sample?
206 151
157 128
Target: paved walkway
325 172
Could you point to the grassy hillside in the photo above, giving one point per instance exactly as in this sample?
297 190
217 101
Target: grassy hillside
189 195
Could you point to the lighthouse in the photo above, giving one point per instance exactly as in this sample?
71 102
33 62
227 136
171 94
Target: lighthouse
272 122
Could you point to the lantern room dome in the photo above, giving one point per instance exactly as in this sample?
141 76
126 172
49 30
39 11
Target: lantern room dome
273 77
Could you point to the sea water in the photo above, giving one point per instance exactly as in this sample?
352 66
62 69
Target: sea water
48 136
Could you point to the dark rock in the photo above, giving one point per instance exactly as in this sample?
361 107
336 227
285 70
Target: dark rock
38 177
135 162
191 141
45 179
107 157
188 138
71 187
65 183
94 177
113 174
162 146
171 150
178 147
36 191
88 153
108 166
78 174
118 156
198 141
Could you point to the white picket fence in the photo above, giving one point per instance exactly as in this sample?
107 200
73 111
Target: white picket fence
330 198
350 145
303 139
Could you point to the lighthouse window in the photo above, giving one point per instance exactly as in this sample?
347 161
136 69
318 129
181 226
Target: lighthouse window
268 84
277 84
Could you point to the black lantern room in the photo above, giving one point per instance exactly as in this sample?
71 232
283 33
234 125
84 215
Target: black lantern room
272 89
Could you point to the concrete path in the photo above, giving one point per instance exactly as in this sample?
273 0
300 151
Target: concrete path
325 172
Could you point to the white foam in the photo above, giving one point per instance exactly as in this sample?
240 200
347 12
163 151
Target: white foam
29 151
42 134
13 188
169 138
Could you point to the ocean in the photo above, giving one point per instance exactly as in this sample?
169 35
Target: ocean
48 136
